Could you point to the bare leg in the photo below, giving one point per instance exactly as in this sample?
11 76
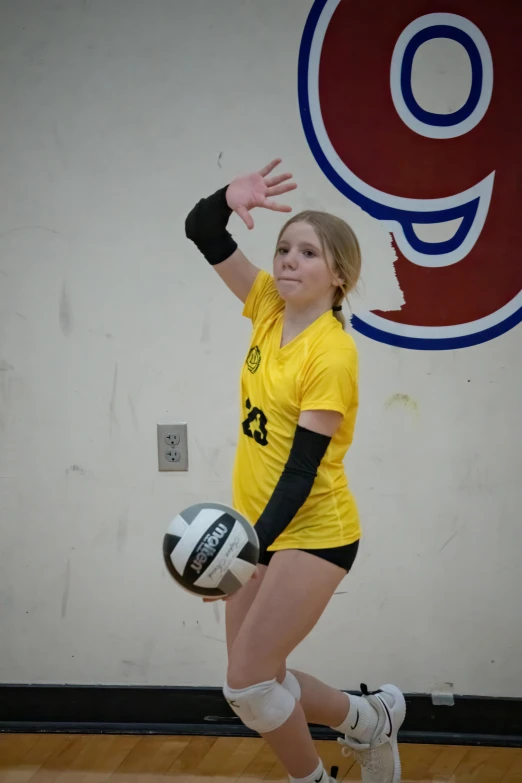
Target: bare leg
236 609
293 594
321 703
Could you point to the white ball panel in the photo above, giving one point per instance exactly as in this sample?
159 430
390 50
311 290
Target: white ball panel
216 570
242 569
204 520
177 526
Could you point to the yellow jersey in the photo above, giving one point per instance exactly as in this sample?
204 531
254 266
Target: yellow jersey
317 370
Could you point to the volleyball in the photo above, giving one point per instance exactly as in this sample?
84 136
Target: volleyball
210 550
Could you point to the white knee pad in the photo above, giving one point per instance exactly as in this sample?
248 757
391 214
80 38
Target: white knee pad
262 707
291 683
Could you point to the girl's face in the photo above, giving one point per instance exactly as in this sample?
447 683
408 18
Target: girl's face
302 272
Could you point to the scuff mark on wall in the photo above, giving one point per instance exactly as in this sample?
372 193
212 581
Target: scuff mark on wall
112 405
5 398
133 412
75 469
66 588
143 663
449 539
65 312
214 638
402 399
24 228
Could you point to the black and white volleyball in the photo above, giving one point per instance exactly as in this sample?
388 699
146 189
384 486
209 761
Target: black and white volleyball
210 549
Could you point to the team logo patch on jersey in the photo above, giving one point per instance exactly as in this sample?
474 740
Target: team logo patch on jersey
254 426
253 359
437 159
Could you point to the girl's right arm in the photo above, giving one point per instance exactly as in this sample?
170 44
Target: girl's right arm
206 224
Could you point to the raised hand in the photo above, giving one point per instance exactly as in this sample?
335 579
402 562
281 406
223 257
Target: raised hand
253 190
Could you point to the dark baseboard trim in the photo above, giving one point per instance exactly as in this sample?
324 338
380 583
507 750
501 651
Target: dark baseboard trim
114 709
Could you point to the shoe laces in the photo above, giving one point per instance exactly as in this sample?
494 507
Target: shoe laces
366 692
352 746
371 760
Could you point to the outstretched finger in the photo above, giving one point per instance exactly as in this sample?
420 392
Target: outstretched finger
277 179
270 167
245 216
278 189
277 207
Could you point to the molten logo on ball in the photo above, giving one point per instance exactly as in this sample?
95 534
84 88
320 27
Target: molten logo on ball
208 547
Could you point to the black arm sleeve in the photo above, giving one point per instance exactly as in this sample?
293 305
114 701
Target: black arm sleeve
206 226
293 487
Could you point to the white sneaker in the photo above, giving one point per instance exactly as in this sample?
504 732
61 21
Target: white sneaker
379 759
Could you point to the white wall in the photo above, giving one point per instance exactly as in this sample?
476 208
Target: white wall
116 117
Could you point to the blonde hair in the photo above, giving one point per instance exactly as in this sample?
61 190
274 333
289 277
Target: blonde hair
336 236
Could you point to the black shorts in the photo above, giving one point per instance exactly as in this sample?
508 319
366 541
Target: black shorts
342 556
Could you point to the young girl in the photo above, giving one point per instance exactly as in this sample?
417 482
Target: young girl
299 399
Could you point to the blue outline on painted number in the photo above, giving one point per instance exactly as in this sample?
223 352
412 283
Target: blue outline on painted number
453 33
381 212
437 343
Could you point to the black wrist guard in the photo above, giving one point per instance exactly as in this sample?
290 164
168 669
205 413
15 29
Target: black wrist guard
206 226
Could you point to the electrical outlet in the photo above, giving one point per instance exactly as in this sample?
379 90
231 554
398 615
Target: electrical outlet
172 447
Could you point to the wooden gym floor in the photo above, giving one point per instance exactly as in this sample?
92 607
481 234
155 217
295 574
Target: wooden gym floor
45 758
